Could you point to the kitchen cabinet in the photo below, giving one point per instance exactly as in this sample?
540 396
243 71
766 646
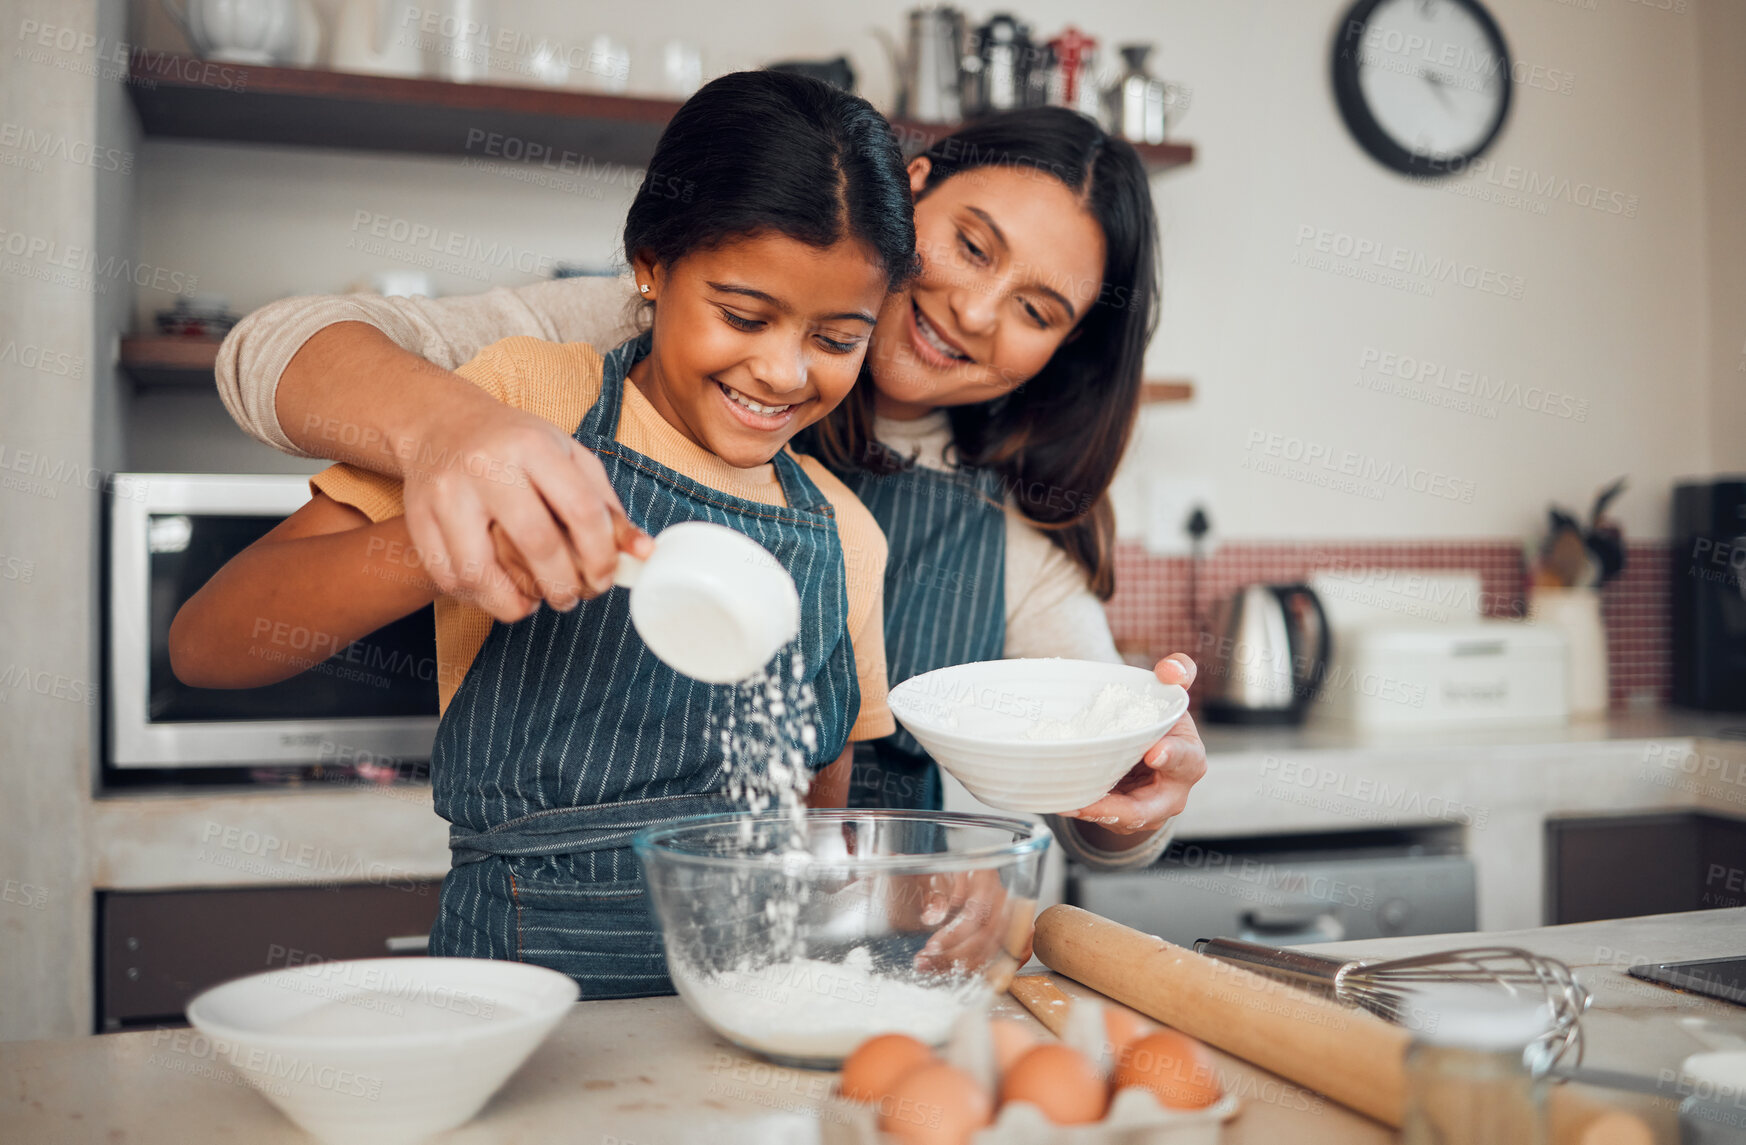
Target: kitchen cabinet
1625 865
156 950
1287 890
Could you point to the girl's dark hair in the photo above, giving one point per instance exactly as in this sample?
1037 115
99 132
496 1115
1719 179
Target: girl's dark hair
771 152
1057 439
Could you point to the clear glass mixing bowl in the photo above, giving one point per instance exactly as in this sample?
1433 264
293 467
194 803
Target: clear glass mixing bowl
799 938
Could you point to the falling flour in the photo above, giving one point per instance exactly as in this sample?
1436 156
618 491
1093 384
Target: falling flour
806 1008
766 736
777 999
1116 709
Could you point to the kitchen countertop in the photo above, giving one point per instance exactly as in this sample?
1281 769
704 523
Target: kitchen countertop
1499 785
1321 735
645 1072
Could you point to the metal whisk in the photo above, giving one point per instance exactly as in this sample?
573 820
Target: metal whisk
1387 988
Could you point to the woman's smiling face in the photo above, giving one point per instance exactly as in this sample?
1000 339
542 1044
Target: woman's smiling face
1011 261
757 339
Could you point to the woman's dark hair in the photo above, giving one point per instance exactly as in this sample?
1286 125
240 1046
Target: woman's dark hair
770 152
1057 439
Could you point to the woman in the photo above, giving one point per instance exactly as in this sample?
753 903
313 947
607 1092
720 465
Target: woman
1007 376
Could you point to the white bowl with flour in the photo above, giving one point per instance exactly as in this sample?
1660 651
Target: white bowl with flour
380 1051
1043 736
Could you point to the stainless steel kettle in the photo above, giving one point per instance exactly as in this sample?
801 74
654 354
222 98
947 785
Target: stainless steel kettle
1264 659
927 69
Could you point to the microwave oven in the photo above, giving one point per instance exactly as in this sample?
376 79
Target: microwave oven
168 533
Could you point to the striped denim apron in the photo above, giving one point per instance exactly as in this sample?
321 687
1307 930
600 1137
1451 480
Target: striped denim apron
945 604
567 735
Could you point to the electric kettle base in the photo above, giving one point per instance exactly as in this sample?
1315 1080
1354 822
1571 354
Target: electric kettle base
1219 713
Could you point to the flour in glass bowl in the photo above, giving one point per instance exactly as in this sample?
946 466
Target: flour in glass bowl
806 1008
1116 709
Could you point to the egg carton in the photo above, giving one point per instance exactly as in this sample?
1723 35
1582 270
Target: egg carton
1135 1118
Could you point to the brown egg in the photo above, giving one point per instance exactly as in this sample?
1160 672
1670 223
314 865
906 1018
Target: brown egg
881 1062
1175 1067
937 1104
1123 1028
1059 1081
1011 1040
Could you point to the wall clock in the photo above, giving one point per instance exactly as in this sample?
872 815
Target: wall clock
1423 85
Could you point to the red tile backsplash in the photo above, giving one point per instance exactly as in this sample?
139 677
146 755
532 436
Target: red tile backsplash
1638 614
1151 613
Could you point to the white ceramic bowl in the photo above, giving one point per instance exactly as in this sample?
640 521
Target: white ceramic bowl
973 719
382 1051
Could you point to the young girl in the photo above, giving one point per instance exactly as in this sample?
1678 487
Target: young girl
1003 386
561 734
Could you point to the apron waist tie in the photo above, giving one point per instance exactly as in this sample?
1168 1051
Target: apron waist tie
571 830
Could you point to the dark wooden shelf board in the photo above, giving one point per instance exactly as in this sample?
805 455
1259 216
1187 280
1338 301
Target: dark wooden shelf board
180 97
1154 390
156 361
385 113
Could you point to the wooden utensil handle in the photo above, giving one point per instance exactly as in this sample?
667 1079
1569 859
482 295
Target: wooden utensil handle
1043 999
1574 1118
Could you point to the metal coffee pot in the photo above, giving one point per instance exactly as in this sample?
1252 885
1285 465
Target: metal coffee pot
1137 107
997 66
927 67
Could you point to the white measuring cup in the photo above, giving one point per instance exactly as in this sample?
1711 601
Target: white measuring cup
711 602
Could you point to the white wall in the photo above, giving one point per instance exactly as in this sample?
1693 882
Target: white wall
1613 316
1611 311
49 509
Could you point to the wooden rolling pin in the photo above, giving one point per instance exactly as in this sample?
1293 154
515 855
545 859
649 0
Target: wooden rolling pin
1351 1056
1354 1058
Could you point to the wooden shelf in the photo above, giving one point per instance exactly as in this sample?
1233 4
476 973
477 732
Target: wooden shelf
158 361
180 97
918 137
1155 390
387 113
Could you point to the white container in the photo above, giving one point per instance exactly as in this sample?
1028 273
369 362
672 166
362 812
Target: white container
974 719
378 37
1577 613
1485 672
710 602
243 31
462 51
383 1051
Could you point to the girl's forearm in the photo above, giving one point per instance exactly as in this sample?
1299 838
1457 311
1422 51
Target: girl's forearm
830 786
284 605
352 394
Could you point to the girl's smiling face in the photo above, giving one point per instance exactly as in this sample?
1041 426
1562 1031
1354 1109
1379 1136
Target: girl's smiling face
1011 261
756 339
